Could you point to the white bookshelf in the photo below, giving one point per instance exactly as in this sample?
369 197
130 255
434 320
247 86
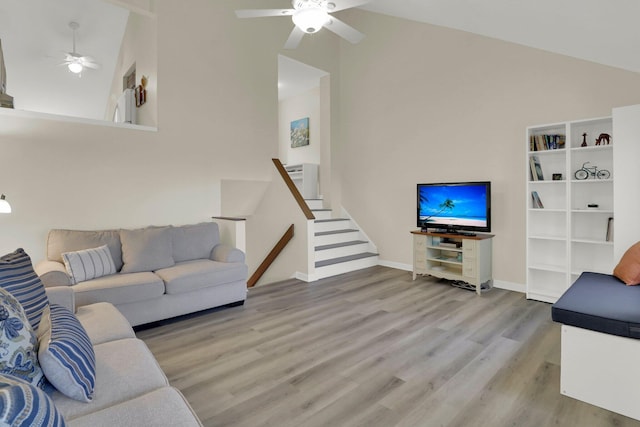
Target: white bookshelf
305 177
565 237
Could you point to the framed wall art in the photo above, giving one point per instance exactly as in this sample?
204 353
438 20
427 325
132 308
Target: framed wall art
300 132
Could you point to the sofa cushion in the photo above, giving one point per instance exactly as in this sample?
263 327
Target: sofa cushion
125 369
194 241
61 241
146 249
119 288
103 323
163 407
22 404
18 277
89 264
66 354
193 275
19 355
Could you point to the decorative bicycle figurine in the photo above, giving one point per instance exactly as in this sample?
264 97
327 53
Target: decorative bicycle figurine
585 172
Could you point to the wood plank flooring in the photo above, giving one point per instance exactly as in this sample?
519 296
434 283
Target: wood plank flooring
373 348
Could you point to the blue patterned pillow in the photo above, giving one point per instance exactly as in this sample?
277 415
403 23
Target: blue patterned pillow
66 354
22 404
18 342
17 276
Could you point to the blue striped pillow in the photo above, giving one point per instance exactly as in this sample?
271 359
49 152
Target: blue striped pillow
22 404
17 277
66 355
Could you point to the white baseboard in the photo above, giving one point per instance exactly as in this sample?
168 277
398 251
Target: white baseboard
306 277
396 265
510 286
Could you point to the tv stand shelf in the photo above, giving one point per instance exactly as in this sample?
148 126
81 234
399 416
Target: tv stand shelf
457 257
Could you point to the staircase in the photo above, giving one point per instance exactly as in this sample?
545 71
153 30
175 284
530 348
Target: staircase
339 246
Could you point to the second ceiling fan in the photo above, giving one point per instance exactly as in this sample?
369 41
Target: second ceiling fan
310 16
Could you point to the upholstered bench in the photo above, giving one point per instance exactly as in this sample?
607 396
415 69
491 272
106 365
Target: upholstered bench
600 318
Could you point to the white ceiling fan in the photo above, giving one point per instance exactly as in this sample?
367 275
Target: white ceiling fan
73 60
310 16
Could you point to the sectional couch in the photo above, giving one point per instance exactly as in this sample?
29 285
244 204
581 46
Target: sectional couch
130 389
75 366
153 273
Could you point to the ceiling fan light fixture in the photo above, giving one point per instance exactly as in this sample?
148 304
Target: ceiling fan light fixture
311 19
75 67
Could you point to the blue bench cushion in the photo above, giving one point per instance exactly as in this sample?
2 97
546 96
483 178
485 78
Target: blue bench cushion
602 303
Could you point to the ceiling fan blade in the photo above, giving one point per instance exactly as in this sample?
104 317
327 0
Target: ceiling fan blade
259 13
345 31
346 4
91 65
294 38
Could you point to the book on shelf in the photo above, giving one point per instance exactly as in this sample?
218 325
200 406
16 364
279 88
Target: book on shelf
546 142
537 202
609 237
536 169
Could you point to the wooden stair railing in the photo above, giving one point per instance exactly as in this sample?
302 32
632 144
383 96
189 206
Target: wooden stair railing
294 190
286 237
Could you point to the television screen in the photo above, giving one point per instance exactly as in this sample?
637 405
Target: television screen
455 206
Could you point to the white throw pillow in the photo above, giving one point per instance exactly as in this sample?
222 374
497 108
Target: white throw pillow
89 264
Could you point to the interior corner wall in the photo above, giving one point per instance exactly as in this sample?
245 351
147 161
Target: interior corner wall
140 47
297 107
421 103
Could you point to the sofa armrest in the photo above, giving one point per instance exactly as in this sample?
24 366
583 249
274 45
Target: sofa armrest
226 253
62 295
52 273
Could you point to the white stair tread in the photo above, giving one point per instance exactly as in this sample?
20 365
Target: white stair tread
340 245
344 259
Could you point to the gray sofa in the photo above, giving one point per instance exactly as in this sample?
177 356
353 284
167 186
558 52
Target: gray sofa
130 388
161 272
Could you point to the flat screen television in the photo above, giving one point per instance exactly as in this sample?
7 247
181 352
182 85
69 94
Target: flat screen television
455 207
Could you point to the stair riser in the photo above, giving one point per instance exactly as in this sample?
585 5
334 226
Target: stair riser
314 204
345 267
336 238
340 252
322 214
332 226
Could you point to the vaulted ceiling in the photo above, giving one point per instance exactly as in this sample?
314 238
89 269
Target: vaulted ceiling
35 35
602 31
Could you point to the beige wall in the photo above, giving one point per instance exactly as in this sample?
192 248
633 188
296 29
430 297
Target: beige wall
217 119
411 103
422 103
297 107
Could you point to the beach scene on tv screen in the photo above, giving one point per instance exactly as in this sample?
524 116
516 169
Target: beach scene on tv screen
463 205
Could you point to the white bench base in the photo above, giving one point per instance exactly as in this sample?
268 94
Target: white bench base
601 369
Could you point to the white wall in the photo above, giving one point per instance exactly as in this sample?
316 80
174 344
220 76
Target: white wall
297 107
626 200
139 47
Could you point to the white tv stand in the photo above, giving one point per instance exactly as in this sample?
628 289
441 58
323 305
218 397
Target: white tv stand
454 257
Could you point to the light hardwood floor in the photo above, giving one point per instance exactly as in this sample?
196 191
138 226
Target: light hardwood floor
373 348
